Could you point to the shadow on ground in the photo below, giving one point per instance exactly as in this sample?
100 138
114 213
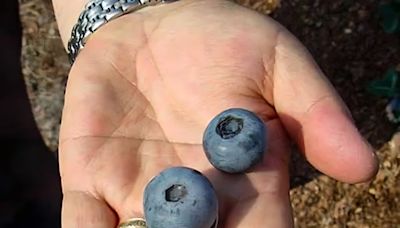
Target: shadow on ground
351 48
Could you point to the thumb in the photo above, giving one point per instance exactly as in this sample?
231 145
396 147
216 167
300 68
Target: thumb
81 209
316 117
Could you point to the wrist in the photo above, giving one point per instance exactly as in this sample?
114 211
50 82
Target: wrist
67 14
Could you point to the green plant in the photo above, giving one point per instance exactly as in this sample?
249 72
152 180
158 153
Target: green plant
388 86
390 16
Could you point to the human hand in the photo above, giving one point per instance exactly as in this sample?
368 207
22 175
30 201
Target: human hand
144 88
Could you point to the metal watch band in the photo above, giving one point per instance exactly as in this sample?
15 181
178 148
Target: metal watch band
96 14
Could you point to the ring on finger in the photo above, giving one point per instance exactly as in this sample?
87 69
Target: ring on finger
133 223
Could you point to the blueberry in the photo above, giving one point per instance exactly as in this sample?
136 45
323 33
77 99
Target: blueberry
180 197
235 140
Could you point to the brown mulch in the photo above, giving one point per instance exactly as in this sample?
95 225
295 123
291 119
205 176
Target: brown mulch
347 42
44 65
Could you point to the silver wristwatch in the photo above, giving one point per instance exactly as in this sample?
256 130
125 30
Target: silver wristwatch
96 14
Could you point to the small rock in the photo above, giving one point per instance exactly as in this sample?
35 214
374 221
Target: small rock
347 30
387 164
372 191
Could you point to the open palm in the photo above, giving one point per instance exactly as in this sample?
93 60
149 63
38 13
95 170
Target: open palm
145 87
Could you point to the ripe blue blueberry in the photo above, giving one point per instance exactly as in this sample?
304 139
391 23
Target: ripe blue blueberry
235 140
180 197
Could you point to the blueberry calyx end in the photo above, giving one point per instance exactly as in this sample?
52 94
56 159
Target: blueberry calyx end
175 193
229 127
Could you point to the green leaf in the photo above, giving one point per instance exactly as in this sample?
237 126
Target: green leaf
389 86
390 17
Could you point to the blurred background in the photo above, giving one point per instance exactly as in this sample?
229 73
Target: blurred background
30 194
356 43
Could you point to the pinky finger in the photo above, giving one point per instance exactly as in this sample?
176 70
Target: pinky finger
83 210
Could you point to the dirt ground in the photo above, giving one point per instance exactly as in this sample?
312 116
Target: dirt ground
347 42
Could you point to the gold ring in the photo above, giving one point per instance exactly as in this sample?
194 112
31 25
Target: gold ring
133 223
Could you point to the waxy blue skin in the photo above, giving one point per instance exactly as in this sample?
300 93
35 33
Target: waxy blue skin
235 140
180 197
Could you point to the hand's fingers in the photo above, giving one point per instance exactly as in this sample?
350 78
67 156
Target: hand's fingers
270 206
316 117
83 210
